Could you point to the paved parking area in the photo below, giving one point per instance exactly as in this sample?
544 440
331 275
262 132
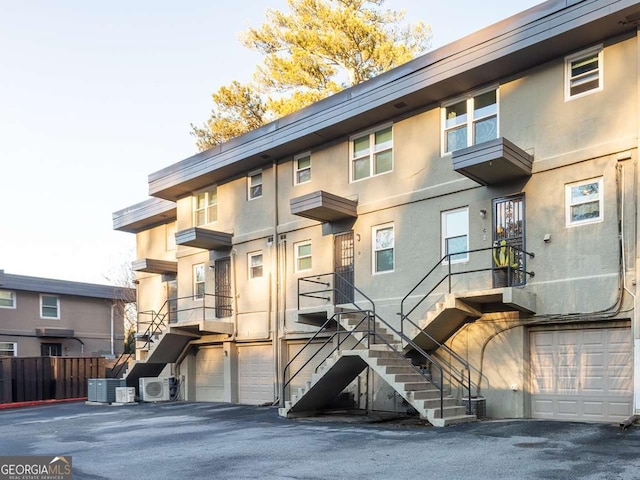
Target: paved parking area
223 441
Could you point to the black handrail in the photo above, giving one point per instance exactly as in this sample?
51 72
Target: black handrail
123 360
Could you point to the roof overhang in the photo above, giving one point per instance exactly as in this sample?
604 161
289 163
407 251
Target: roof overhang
542 33
54 332
151 265
324 207
145 215
493 162
204 238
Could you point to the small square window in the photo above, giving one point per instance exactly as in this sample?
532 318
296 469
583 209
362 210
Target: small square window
49 306
470 121
255 265
199 281
255 185
7 299
303 256
8 349
302 169
584 202
205 207
583 73
372 154
383 248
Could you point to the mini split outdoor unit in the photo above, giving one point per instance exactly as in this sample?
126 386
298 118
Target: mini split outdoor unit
155 389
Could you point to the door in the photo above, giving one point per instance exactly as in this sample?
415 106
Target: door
582 374
172 300
51 349
508 231
343 268
210 374
223 287
255 374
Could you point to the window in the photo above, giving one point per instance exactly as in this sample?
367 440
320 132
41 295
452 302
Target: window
583 73
302 169
205 207
254 181
455 235
470 121
7 299
8 349
303 256
49 306
255 265
383 249
372 153
584 202
198 281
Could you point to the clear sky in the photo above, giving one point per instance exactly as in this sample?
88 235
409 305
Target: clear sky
96 95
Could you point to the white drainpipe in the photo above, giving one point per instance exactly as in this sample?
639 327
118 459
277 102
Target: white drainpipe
112 333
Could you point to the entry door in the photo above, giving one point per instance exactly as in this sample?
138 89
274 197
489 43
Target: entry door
51 349
172 300
343 267
223 287
508 225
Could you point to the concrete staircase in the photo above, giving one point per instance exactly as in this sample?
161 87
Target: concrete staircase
343 367
166 349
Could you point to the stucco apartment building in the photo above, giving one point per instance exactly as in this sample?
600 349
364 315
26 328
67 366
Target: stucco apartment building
476 207
48 317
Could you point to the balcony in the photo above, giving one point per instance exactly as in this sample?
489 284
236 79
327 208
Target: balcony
152 265
324 207
204 239
493 162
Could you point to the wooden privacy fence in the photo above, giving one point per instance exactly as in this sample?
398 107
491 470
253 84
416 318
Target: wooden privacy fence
25 379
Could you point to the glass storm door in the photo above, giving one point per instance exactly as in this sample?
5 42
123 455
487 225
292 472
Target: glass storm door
508 227
343 267
223 287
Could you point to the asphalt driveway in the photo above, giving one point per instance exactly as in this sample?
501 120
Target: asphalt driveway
223 441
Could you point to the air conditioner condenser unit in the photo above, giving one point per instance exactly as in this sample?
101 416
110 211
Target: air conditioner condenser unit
155 389
125 394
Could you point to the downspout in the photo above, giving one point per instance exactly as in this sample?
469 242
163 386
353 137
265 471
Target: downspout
275 317
635 327
113 305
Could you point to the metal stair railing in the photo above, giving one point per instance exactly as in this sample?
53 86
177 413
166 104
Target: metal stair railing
122 361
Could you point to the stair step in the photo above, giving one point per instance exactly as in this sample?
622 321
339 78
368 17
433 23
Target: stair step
410 378
427 394
413 386
432 403
454 420
396 369
450 411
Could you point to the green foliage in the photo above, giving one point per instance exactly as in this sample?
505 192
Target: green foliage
317 49
130 341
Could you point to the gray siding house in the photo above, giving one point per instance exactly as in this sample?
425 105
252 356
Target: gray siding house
464 225
47 317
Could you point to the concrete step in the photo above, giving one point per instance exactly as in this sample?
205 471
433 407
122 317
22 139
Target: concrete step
454 420
409 378
413 386
434 403
426 394
390 362
400 369
449 411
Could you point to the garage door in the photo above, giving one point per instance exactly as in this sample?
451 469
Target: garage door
255 374
306 355
209 375
583 375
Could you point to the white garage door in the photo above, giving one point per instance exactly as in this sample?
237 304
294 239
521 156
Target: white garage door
255 374
307 355
209 375
583 375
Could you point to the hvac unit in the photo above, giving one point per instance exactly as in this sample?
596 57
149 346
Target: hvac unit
103 390
155 389
125 394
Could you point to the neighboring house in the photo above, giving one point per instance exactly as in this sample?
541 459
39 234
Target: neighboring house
436 190
46 317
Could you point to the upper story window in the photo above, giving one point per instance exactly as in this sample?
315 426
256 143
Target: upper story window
383 248
49 306
8 349
255 264
7 299
584 202
303 256
470 121
302 169
198 281
583 73
372 153
455 235
254 185
205 207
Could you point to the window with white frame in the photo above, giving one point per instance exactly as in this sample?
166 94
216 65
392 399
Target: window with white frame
254 185
8 349
302 169
372 153
470 121
455 235
198 281
584 202
49 306
255 264
303 256
383 248
7 299
583 73
205 207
